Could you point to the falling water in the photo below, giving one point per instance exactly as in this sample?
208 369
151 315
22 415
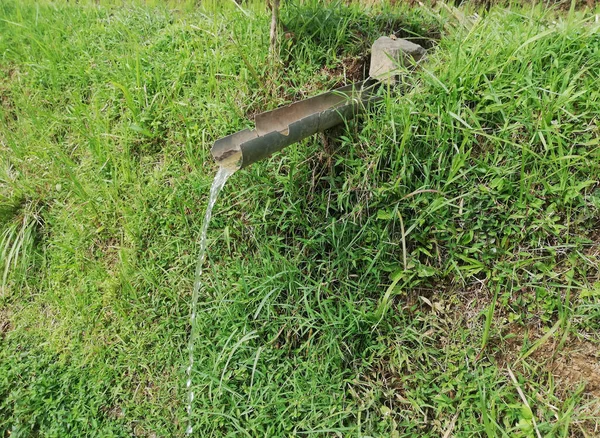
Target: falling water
221 177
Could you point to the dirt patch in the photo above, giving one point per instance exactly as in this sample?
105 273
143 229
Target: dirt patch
5 325
579 363
573 362
9 72
114 412
397 27
7 104
349 70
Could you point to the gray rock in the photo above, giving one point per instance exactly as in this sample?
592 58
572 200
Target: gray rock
387 54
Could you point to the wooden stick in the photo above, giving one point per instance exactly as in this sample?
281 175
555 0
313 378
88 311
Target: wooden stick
274 23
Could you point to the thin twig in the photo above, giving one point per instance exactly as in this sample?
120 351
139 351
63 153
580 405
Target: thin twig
525 402
274 24
451 426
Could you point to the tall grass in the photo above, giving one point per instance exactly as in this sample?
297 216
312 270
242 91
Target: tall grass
380 280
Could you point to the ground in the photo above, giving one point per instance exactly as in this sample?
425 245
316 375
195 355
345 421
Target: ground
429 269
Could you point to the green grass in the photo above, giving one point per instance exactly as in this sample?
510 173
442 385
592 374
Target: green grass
381 280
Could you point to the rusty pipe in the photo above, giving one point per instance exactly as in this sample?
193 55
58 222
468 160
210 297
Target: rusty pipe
289 124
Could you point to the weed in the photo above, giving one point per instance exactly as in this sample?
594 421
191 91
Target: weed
381 280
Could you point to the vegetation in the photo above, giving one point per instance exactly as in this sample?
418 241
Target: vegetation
428 270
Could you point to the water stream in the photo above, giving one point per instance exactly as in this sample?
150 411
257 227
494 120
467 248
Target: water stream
221 177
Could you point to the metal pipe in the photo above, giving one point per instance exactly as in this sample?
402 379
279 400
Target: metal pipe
289 124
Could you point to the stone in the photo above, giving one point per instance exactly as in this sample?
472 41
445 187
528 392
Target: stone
387 54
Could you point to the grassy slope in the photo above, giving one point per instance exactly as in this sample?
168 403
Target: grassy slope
378 281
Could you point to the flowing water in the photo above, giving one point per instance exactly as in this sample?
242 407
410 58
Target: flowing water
221 177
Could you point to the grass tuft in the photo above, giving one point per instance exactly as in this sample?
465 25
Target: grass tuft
430 269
